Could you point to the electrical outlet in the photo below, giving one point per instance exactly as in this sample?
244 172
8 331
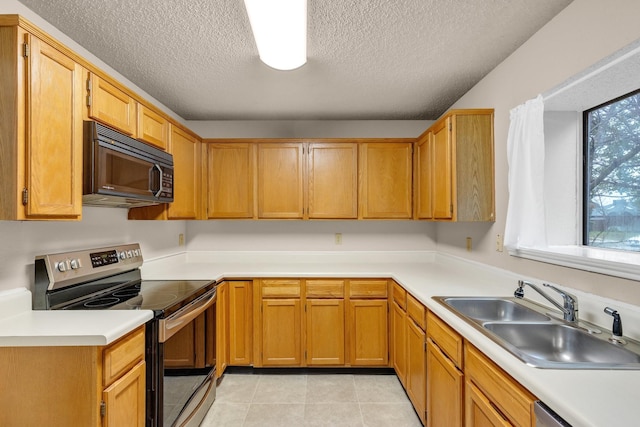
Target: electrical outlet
338 238
499 243
469 244
180 239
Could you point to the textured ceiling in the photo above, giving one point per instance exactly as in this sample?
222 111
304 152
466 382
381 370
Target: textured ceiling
373 59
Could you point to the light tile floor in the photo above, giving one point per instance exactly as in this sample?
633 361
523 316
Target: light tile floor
282 400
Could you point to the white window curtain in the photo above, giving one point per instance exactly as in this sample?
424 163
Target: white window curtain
525 226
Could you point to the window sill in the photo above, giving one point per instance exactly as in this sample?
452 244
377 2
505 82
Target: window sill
604 261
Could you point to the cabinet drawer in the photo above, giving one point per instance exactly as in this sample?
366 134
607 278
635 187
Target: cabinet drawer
368 288
417 312
322 288
123 355
507 395
399 296
449 341
280 288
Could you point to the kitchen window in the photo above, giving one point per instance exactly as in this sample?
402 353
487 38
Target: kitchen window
573 237
611 202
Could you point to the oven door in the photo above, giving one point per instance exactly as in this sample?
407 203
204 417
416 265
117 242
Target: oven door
188 374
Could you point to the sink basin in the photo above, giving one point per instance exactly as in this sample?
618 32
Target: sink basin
523 328
494 309
547 344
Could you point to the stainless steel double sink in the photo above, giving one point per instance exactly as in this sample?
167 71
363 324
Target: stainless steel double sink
540 338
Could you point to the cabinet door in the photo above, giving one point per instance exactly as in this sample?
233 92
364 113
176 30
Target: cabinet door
442 173
111 106
185 149
325 332
386 180
152 127
125 400
479 411
333 180
280 180
416 368
368 333
424 177
222 328
473 137
281 332
444 390
240 324
54 136
230 180
399 344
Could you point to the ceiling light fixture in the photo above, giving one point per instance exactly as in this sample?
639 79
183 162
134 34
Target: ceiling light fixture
280 30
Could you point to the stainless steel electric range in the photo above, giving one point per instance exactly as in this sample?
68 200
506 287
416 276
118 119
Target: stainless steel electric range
180 339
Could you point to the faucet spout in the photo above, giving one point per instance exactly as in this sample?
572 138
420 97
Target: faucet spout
569 308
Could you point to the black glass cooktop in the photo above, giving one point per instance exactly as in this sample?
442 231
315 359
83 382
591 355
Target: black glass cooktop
157 295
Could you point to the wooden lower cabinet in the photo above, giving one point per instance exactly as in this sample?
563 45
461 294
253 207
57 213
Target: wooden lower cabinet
480 412
368 330
416 368
240 323
320 322
125 399
445 385
281 332
94 386
325 332
487 383
399 342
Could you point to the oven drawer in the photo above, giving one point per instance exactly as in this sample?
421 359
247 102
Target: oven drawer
123 355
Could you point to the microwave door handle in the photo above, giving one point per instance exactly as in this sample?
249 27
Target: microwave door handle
153 168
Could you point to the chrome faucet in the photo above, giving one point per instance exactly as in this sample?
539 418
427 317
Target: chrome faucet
570 307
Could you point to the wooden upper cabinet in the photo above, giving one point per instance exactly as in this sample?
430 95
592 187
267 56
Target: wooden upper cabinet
424 169
333 180
152 128
110 105
455 168
54 138
40 129
280 180
185 149
385 180
442 175
230 180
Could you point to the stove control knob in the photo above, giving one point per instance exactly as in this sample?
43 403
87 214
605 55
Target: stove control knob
75 264
61 267
129 254
123 255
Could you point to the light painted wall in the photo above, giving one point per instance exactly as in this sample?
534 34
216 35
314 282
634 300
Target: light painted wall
22 241
581 35
310 235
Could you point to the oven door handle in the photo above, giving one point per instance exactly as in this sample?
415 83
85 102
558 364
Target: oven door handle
172 324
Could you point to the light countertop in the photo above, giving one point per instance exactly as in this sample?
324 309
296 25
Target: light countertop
582 397
20 326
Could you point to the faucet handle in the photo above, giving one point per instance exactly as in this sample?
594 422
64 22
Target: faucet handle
568 298
570 303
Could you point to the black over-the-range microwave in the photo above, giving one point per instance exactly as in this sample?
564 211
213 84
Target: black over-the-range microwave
120 171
